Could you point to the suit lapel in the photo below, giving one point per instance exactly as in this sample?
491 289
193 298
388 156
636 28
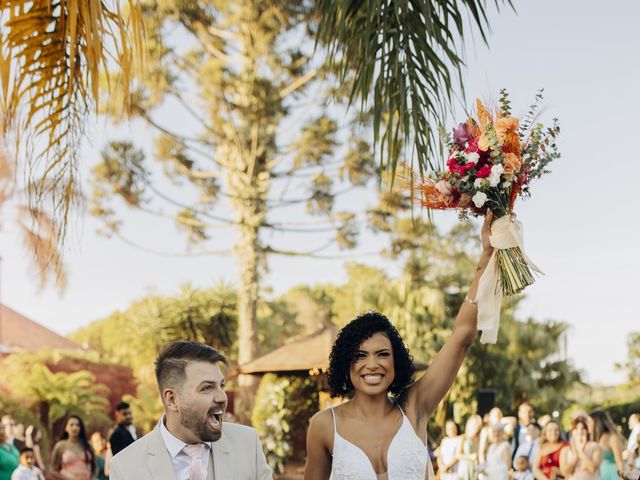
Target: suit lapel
158 460
222 464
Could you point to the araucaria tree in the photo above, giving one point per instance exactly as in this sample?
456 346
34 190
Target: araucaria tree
243 70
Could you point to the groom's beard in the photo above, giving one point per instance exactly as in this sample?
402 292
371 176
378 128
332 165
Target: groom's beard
198 423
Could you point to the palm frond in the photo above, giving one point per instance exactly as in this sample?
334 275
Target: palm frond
52 53
404 56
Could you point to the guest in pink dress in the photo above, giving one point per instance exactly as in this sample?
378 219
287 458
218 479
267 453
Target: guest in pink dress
581 460
73 457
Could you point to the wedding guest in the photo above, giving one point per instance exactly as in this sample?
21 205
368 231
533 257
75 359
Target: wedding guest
9 456
99 444
27 470
33 437
446 453
604 431
19 440
581 459
498 458
7 425
525 418
632 467
546 464
522 470
494 417
73 457
124 434
467 453
530 447
634 427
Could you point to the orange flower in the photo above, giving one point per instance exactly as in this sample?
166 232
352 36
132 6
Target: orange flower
507 131
512 164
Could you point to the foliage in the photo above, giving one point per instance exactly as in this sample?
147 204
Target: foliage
405 56
632 365
36 225
52 54
146 407
118 379
133 337
54 395
283 407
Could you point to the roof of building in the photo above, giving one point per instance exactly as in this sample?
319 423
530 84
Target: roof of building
304 355
19 333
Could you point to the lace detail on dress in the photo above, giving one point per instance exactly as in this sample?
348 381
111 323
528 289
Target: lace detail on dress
407 457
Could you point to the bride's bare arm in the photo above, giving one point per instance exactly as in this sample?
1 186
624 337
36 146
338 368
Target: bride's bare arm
319 443
427 392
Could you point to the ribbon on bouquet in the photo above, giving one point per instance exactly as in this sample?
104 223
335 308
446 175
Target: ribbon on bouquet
506 232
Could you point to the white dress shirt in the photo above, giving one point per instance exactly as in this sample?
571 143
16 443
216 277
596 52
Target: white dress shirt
181 461
132 431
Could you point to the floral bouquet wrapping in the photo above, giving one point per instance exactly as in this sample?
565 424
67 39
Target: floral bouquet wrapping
492 160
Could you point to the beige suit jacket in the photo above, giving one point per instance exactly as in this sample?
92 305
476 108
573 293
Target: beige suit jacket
237 455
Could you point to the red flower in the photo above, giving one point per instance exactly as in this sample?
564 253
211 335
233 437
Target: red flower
484 171
455 167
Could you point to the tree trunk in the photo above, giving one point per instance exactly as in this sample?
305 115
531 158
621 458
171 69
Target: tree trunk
247 252
249 187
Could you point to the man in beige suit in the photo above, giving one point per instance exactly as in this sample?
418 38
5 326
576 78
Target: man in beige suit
189 442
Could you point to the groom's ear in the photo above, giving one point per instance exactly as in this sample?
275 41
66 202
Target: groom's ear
170 399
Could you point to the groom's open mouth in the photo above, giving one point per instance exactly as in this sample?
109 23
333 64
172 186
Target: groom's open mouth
215 419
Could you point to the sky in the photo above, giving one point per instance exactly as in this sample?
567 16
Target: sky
581 224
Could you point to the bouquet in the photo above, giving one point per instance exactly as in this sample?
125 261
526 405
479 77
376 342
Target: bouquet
493 158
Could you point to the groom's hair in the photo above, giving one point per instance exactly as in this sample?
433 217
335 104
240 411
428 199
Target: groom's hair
174 358
345 349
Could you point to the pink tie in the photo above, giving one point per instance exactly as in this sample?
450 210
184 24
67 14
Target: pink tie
198 470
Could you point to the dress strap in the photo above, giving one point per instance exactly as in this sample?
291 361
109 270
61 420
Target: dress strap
335 429
401 411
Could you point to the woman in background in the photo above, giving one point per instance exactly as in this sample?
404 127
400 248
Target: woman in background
581 459
546 465
73 457
604 431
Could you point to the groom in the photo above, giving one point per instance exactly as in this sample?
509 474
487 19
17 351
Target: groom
189 442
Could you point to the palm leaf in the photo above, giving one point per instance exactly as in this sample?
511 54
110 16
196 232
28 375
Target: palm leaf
404 56
52 53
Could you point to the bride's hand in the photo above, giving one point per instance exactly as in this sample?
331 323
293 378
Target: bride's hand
485 233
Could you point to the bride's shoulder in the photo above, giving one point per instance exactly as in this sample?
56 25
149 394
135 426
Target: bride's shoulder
322 420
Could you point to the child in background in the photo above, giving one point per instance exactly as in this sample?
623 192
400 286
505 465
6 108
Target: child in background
522 471
27 470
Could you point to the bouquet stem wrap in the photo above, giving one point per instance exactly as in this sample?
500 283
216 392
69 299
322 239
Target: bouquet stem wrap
508 272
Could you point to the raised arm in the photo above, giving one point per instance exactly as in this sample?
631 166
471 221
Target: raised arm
427 392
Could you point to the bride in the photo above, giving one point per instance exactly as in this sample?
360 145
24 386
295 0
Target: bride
380 433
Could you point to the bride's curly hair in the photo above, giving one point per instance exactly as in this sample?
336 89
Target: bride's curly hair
345 348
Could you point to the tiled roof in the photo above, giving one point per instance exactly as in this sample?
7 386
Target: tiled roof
18 333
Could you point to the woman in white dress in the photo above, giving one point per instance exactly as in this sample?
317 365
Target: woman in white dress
381 431
498 455
447 458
